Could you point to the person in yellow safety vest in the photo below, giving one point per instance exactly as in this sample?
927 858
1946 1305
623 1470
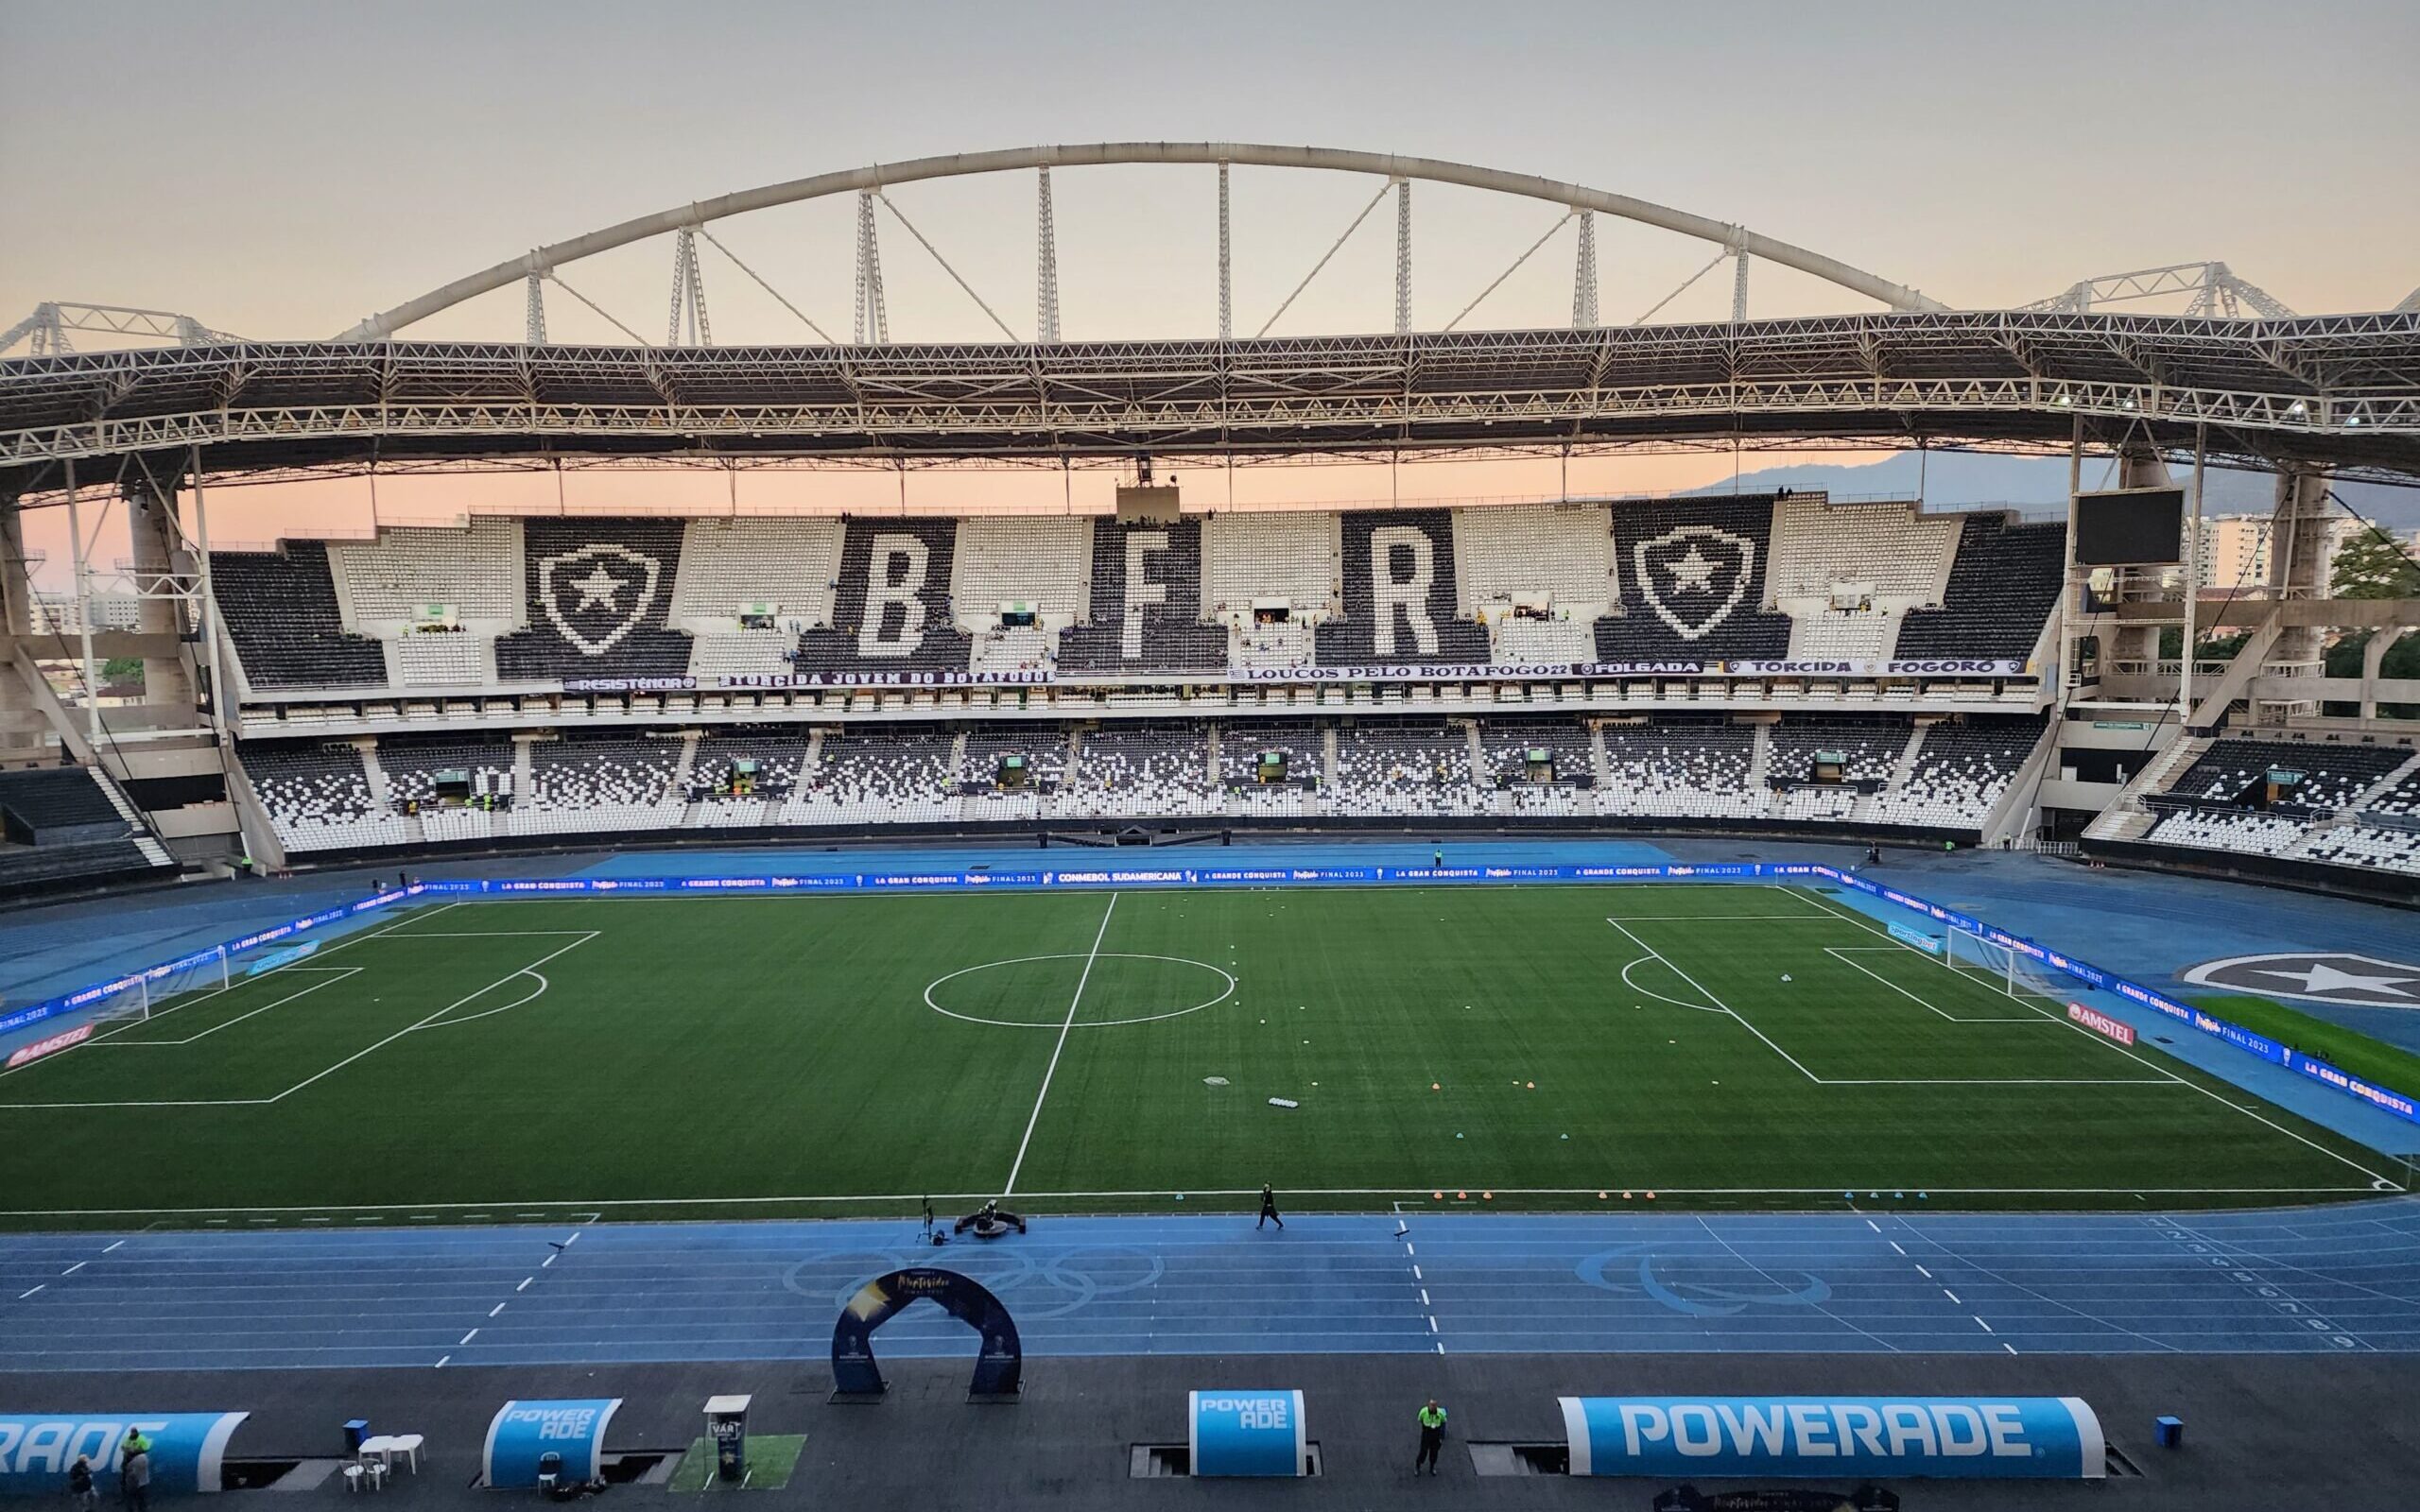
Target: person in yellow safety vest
1432 1436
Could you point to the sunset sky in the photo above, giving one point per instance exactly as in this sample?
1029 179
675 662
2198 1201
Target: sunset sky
283 169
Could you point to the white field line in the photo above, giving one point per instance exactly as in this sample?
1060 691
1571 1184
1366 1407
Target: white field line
312 961
2378 1182
1098 936
1889 1081
1718 1003
908 1200
528 971
1843 953
1649 992
333 975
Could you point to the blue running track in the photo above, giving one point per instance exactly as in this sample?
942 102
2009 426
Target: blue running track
2317 1280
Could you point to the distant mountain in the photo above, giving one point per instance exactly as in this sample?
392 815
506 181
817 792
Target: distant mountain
2038 485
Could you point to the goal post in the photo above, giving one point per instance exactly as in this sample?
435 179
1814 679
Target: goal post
1974 955
2010 971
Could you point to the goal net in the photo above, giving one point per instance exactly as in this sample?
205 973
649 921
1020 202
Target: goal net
2012 971
203 974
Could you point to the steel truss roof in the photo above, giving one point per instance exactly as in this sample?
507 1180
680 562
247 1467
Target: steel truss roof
2338 390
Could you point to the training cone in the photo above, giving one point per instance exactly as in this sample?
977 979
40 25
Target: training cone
1436 1087
1487 1197
1462 1196
1600 1197
1436 1196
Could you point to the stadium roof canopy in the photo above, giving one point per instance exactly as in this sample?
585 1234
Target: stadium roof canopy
2334 390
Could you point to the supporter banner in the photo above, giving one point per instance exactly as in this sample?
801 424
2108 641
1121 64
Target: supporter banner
1386 672
863 678
682 684
1935 667
187 1450
522 1433
1246 1432
2101 1023
1796 1437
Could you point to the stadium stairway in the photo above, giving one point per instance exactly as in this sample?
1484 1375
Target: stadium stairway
2369 796
2126 819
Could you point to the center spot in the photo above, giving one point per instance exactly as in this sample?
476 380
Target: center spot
1033 992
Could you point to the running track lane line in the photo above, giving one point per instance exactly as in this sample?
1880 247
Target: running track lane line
1073 1003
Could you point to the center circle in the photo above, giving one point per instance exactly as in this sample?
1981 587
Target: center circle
1034 991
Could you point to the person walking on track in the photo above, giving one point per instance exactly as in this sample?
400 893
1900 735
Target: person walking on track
1269 1207
1432 1436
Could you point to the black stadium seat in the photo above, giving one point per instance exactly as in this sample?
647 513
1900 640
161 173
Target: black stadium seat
1151 624
1693 576
1399 599
599 594
891 610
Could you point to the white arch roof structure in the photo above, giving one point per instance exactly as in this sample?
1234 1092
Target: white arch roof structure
1249 154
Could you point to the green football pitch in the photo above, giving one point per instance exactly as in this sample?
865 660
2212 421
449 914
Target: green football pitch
1719 1045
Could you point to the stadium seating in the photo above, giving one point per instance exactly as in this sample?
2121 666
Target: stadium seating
1684 768
413 765
1042 563
318 797
437 659
1290 559
2374 847
730 568
879 774
1692 577
588 781
1413 766
280 609
598 601
1688 769
1151 770
2333 774
1961 769
1504 746
1146 611
2225 829
1555 561
388 584
891 611
1845 574
1401 603
779 754
2002 584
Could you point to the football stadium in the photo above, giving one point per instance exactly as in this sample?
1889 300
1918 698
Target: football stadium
1849 938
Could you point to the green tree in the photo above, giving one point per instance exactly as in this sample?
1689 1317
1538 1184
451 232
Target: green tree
2373 565
122 669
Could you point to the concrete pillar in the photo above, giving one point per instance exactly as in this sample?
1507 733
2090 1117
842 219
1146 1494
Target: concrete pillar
2302 553
2373 657
158 572
20 717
